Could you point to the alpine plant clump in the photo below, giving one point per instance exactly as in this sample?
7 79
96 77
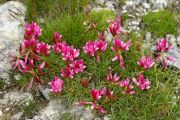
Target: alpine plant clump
32 53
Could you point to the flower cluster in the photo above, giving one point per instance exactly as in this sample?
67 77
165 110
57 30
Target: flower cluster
143 84
162 47
33 54
146 62
127 87
32 31
115 27
93 47
69 55
124 84
96 97
56 85
30 52
119 47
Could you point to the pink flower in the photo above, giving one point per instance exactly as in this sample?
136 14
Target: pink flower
101 45
166 59
103 91
163 45
57 37
67 72
114 27
56 85
90 48
120 59
41 66
126 87
43 49
69 53
120 45
95 93
58 47
146 62
98 107
94 106
142 83
112 78
32 30
30 45
77 66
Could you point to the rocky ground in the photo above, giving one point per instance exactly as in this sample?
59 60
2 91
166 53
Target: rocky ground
13 101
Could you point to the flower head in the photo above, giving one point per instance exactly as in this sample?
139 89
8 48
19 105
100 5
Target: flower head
101 45
163 45
112 78
126 87
32 30
142 83
77 66
146 62
95 93
57 37
121 45
69 53
90 48
114 27
43 49
58 47
30 45
56 85
67 72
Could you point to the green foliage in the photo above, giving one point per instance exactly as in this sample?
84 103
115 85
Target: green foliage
67 18
30 108
160 23
53 8
71 27
66 116
1 83
100 17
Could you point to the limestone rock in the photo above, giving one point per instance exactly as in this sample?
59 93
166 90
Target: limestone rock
11 34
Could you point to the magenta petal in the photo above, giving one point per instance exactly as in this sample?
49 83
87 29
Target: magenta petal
41 66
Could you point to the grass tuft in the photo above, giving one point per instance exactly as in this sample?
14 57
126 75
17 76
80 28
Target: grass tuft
160 23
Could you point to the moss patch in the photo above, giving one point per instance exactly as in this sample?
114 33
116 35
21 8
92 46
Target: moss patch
160 23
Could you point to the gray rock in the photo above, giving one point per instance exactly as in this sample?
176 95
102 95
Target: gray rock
101 2
111 5
148 36
178 41
1 113
97 9
45 92
11 33
17 116
129 3
16 96
108 36
56 109
175 52
146 5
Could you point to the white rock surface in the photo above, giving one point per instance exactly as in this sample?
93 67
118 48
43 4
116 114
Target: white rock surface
11 33
55 110
175 52
15 96
17 116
